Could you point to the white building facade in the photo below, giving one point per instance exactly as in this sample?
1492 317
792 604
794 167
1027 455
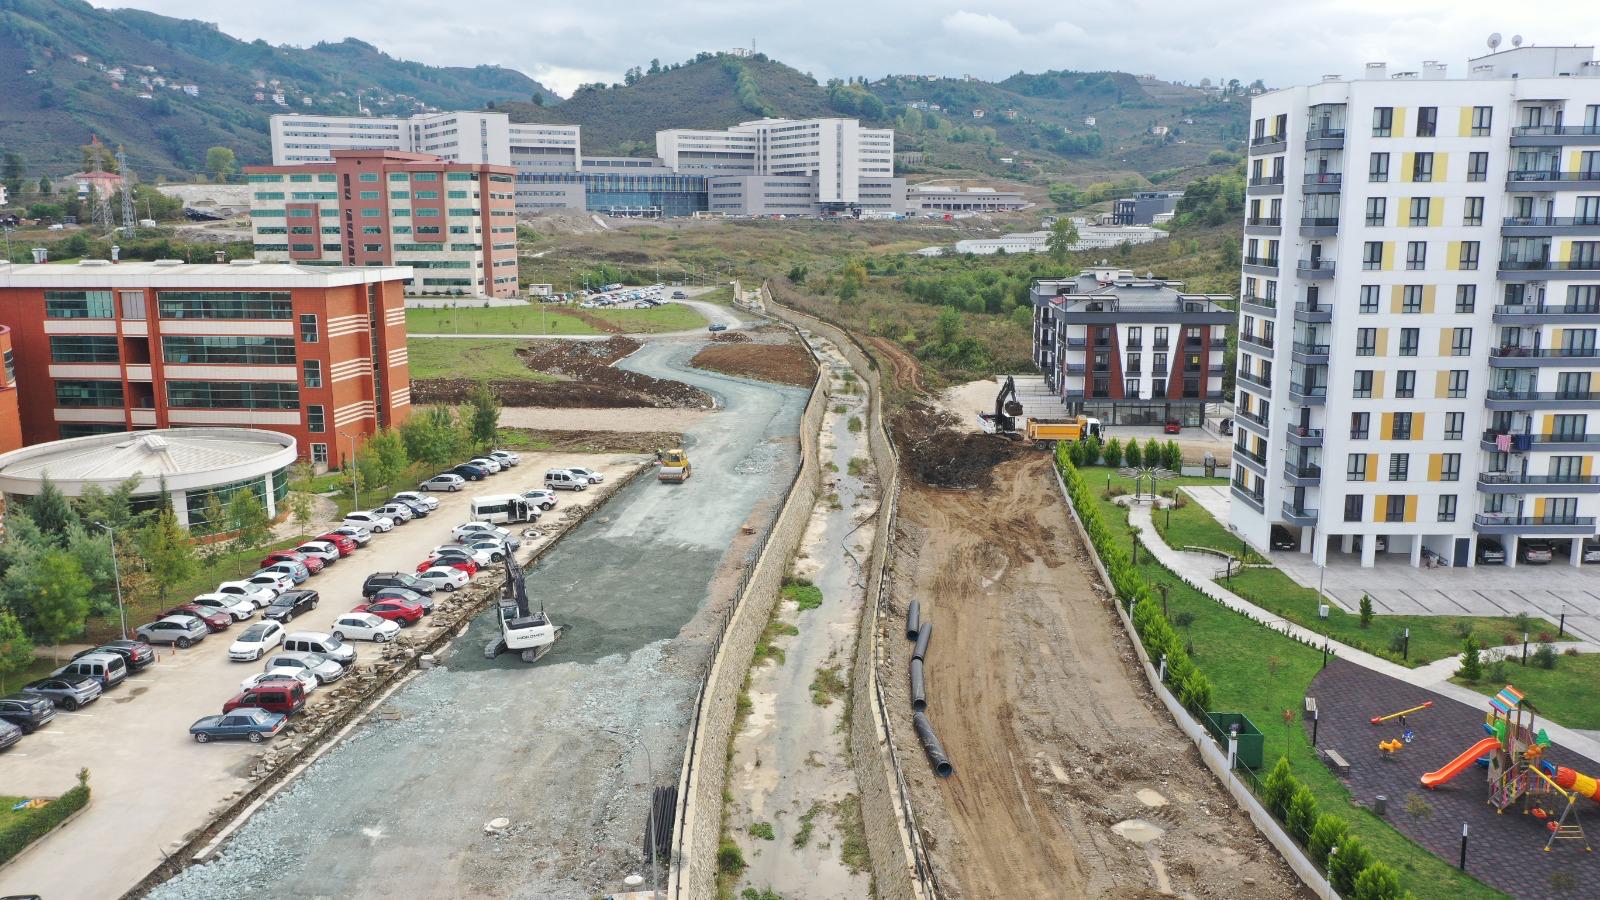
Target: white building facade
1420 300
849 167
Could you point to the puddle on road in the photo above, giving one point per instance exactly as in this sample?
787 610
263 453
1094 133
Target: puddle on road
1150 797
1138 830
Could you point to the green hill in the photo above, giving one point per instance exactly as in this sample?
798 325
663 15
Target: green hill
56 88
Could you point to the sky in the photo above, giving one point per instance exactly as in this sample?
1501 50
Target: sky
562 45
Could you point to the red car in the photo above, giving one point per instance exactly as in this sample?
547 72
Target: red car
216 620
287 697
312 563
346 545
457 562
1172 427
403 611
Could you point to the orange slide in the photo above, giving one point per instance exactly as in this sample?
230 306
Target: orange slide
1453 768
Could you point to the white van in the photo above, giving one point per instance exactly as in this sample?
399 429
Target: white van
504 508
562 480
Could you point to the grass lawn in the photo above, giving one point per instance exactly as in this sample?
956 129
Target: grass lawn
1564 694
536 319
494 359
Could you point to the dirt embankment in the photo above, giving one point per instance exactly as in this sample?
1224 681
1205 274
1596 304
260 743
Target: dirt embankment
589 380
935 452
1055 737
600 441
781 363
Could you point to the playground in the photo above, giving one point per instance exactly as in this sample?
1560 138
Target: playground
1426 764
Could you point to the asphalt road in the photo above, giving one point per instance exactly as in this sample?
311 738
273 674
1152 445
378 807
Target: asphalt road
565 749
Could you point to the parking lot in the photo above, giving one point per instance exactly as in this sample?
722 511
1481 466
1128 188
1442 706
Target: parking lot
152 785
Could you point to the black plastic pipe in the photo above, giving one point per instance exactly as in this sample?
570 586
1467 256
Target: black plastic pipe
919 697
930 743
923 634
913 620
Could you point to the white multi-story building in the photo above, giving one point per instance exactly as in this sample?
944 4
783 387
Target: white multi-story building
1417 358
850 167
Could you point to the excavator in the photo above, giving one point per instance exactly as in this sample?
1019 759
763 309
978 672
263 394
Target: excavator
1008 422
522 630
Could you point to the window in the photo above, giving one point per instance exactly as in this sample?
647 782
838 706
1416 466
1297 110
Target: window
428 211
315 422
1360 423
1378 167
319 454
398 176
224 304
233 395
365 229
1416 255
1469 255
368 195
1353 504
1447 507
77 304
1454 423
372 248
1478 166
1405 383
1400 427
89 393
1377 207
1482 116
313 372
1422 167
1372 255
1366 342
308 328
1419 212
1411 298
1369 298
1382 121
132 304
1427 121
1355 467
87 348
1363 384
427 195
1472 211
1450 467
264 351
1399 467
1466 298
1410 338
1130 388
367 177
371 212
1461 342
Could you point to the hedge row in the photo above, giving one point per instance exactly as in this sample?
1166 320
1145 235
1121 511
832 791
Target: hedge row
1327 839
1113 453
23 830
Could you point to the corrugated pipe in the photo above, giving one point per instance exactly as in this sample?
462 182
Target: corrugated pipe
913 619
923 634
930 743
919 697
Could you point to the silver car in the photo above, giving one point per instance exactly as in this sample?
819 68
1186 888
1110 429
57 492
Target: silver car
67 692
326 670
179 631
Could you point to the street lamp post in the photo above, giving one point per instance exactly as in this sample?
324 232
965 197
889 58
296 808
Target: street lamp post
650 817
355 472
116 576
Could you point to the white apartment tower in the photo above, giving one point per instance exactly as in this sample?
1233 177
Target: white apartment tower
848 166
1418 366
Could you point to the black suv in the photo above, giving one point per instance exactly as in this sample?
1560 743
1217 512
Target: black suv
137 655
26 711
290 604
470 472
416 506
377 581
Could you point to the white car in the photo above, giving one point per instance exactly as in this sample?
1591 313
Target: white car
481 557
372 521
287 570
472 529
307 680
277 582
323 669
398 513
590 474
448 481
259 595
256 640
493 465
328 553
546 499
446 578
360 626
361 534
232 604
419 497
505 457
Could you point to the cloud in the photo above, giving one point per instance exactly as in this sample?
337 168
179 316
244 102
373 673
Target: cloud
980 25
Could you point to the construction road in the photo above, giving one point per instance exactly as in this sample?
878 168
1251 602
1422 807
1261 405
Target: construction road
566 749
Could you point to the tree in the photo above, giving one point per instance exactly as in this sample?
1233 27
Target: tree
169 554
301 509
1301 816
1280 787
51 511
45 188
484 425
386 450
430 436
58 600
655 67
1366 611
1347 864
1329 832
797 274
11 171
948 327
248 519
16 651
1471 663
1131 454
1377 882
1152 454
220 162
1113 453
1063 234
92 549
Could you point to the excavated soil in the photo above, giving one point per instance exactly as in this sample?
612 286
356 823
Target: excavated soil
599 441
1070 781
935 451
730 337
781 363
589 380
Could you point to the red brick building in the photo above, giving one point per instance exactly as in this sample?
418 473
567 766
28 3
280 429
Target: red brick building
10 417
454 223
315 353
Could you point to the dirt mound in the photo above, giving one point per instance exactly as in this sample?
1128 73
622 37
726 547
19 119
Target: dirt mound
575 358
935 453
782 363
592 381
598 441
731 337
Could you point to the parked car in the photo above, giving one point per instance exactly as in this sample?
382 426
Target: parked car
278 696
361 534
323 550
107 668
492 553
402 611
67 692
342 543
372 521
324 644
255 725
1591 550
258 594
679 295
1225 426
232 604
1173 426
431 503
304 677
399 513
28 712
1491 551
326 670
216 620
444 577
445 481
9 735
399 593
137 655
590 474
298 572
454 561
474 529
290 604
276 582
1282 539
366 626
546 499
469 472
484 550
380 580
716 327
179 631
313 565
256 641
418 508
563 480
484 462
505 458
1537 552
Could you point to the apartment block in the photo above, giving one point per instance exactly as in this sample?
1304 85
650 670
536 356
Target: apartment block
1418 363
318 353
453 223
1130 350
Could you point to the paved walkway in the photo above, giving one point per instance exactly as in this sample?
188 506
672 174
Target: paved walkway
1199 570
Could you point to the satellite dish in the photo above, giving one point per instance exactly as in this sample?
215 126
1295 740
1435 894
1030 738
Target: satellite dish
1494 41
1516 40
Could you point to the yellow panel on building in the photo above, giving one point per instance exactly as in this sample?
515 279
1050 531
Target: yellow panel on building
1441 167
1416 426
1538 507
1372 467
1397 298
1402 218
1377 384
1435 465
1465 127
1388 256
1379 506
1399 122
1381 348
1386 428
1407 160
1441 384
1429 292
1452 259
1436 206
1411 508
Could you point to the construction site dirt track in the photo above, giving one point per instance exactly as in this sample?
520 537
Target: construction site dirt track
1054 735
781 363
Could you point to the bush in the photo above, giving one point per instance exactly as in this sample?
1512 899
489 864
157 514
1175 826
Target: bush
1366 611
1302 814
24 829
1132 455
1346 865
1112 454
1378 882
1545 657
1471 663
1327 833
730 859
1281 785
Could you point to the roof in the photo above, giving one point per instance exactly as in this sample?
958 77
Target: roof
174 273
184 457
1125 291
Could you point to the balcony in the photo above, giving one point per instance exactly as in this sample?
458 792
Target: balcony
1549 265
1541 443
1324 138
1311 354
1158 344
1260 145
1261 381
1076 368
1540 226
1554 135
1319 226
1298 515
1301 436
1524 357
1266 184
1250 457
1315 269
1301 475
1313 313
1255 343
1260 305
1255 499
1323 182
1542 399
1134 344
1250 421
1516 483
1494 523
1263 225
1529 314
1219 343
1551 180
1308 394
1260 265
1077 343
1216 369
